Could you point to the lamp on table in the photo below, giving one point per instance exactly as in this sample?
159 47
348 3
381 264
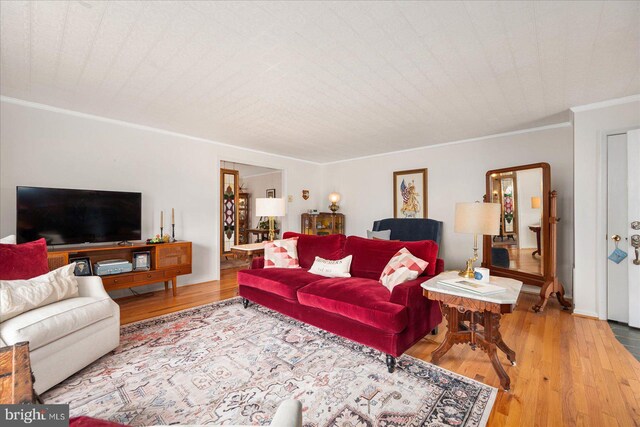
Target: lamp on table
270 207
476 218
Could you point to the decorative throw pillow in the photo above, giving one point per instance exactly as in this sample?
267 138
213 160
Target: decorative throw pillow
19 296
402 268
381 235
9 240
281 254
23 261
332 268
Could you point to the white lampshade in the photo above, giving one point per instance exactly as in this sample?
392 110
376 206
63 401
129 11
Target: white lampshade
270 207
478 218
334 197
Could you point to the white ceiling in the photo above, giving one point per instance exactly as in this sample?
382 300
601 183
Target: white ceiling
321 80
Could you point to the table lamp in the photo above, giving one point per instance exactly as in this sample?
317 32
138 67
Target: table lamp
270 207
476 218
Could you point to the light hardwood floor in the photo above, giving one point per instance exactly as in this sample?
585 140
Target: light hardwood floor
570 370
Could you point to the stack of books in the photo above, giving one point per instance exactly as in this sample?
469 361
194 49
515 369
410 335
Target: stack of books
473 286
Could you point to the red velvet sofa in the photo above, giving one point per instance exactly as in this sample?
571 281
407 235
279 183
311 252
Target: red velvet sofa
358 308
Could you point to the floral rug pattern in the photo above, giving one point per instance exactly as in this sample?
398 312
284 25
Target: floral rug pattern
223 364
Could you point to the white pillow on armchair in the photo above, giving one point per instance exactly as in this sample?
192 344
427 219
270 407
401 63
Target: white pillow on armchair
9 240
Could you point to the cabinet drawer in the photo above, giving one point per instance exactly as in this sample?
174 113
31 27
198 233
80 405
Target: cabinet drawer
118 280
149 275
177 271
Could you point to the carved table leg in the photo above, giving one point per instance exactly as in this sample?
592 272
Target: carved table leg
505 381
511 355
451 314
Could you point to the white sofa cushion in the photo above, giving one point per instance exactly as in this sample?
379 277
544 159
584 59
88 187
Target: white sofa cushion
44 325
19 296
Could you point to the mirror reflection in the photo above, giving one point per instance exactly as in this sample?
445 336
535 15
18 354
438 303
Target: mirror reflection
519 245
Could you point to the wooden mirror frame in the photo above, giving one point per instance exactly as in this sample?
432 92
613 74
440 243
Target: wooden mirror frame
545 245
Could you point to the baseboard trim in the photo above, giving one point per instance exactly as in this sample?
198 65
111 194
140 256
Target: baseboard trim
585 314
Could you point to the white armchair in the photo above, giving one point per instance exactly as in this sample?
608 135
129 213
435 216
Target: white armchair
66 336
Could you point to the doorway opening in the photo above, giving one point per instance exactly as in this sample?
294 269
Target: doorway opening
240 185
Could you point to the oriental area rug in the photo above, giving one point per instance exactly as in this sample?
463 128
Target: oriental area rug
224 364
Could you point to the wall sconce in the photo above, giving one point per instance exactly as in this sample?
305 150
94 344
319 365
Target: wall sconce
334 198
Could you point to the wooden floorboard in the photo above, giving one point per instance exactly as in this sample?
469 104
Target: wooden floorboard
570 370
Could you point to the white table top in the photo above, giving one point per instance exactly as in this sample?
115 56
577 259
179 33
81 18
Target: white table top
509 297
249 247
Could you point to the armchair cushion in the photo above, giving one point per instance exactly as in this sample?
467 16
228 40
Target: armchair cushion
411 229
54 321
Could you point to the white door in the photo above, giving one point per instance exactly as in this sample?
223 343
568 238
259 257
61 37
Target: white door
623 208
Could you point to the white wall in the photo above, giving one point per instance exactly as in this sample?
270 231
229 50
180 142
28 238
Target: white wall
457 174
591 126
256 186
529 184
48 147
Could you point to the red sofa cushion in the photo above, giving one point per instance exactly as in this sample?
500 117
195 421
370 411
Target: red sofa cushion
23 261
310 246
356 298
371 256
281 281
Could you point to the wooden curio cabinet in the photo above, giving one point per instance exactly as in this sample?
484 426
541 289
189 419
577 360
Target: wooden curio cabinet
322 224
243 218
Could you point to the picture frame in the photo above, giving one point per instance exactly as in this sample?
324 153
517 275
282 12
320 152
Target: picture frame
83 266
142 260
410 191
271 193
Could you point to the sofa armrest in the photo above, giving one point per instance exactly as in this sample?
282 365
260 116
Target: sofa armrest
257 263
439 266
91 286
409 293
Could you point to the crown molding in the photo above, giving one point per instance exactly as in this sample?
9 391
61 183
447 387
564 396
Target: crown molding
51 108
462 141
607 103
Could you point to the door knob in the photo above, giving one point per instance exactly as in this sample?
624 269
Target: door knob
635 242
615 238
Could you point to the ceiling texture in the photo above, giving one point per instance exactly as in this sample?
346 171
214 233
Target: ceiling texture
321 81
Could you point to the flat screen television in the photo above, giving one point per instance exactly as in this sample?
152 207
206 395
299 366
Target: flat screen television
64 216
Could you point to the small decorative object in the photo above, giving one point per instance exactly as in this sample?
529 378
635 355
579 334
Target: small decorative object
482 274
305 194
334 198
83 266
173 225
410 194
159 239
142 260
312 211
271 193
476 218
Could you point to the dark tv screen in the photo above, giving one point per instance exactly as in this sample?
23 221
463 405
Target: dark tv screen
63 216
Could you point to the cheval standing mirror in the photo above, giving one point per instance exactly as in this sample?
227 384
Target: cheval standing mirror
525 249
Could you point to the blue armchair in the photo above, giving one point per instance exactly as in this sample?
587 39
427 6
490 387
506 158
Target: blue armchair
411 229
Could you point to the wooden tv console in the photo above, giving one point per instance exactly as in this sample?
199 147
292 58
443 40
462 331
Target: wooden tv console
168 261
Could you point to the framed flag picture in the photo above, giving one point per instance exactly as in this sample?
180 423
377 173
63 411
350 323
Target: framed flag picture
410 194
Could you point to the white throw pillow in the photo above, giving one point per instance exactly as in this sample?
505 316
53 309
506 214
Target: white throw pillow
332 268
404 266
19 296
9 240
281 254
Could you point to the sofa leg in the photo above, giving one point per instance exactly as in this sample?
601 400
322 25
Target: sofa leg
245 302
434 331
391 363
